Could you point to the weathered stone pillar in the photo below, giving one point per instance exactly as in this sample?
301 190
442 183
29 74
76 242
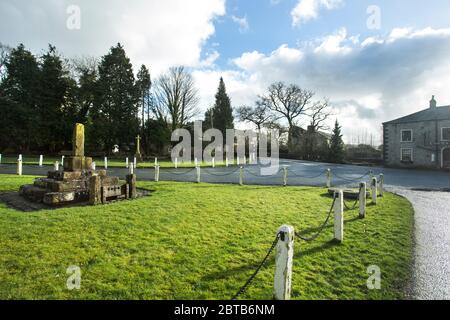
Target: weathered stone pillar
362 200
78 140
95 196
339 216
283 263
131 181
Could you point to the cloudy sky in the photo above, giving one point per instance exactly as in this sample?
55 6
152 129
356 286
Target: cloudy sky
375 60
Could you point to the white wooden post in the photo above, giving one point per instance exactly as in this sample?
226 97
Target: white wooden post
20 157
157 173
381 185
176 163
374 190
106 163
285 176
156 161
241 176
135 162
213 162
126 163
19 167
198 174
41 160
226 162
56 166
131 168
62 161
283 263
362 200
329 176
339 217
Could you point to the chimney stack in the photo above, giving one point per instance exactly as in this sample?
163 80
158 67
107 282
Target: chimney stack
433 103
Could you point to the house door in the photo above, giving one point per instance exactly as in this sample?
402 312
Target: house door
446 158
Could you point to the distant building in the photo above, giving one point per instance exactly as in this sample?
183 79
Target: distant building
420 140
310 144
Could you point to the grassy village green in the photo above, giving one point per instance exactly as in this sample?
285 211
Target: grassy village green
200 241
114 162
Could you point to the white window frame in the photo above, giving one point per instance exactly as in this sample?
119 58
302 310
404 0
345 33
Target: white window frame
401 154
442 134
401 135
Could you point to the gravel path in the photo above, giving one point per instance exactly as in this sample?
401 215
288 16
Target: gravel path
431 271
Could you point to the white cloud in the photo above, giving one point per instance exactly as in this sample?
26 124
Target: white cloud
157 33
376 80
307 10
242 23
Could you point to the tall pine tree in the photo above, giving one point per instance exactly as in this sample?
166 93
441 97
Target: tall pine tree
18 106
222 113
336 152
115 111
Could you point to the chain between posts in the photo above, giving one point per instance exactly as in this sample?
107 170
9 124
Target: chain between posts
263 262
353 206
306 177
321 228
351 180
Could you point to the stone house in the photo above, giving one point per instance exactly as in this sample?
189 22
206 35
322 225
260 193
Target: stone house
419 140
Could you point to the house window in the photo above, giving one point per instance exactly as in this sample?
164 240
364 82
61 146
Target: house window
406 155
407 135
445 134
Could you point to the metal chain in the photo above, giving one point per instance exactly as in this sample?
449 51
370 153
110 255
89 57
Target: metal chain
220 174
261 176
305 177
253 276
321 228
351 180
355 203
178 173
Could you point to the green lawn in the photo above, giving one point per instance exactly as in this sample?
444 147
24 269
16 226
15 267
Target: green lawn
200 241
114 162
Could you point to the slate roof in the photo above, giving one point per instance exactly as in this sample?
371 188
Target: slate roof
429 114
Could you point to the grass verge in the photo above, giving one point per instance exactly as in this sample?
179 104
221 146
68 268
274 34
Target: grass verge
200 241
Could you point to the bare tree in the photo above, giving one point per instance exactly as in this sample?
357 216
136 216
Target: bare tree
258 115
289 101
4 53
176 97
319 113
